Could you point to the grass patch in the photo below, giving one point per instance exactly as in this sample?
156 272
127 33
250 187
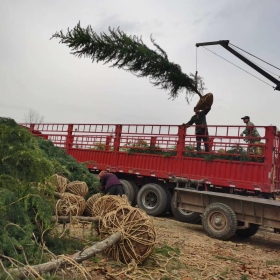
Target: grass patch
68 244
228 259
244 277
224 273
165 249
64 245
162 260
94 259
274 262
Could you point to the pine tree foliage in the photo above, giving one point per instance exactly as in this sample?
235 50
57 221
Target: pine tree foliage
131 54
68 166
26 201
20 154
24 206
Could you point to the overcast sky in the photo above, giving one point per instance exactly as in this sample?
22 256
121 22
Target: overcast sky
41 74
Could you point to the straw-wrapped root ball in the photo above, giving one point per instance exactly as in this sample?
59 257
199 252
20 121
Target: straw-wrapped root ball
78 188
108 203
205 101
138 234
59 182
90 202
70 205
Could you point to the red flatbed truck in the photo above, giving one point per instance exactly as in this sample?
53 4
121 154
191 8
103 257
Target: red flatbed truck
156 162
230 187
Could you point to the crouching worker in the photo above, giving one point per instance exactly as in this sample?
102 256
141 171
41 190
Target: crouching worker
110 183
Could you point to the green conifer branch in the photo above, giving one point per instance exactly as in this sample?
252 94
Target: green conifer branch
131 54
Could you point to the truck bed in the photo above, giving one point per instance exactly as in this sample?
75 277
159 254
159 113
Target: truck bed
163 151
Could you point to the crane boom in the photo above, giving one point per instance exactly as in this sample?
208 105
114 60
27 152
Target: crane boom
225 44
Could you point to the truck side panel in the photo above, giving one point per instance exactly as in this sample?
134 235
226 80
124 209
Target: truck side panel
162 151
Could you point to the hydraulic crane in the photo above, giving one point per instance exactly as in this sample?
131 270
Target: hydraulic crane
225 44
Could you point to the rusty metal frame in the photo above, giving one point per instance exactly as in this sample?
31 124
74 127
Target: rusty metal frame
254 210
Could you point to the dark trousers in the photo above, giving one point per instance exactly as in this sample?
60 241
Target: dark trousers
202 135
115 190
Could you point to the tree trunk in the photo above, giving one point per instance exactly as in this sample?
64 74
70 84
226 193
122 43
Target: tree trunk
24 272
58 195
67 219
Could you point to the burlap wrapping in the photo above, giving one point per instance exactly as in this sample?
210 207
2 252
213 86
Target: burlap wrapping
258 150
205 101
138 234
77 187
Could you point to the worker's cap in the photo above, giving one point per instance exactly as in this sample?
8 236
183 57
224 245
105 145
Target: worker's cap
246 117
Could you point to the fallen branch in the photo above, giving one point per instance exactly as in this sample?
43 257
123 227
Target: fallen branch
24 272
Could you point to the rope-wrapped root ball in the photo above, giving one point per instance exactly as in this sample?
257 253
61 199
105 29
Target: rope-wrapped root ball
125 198
78 188
70 205
108 203
90 202
259 148
138 234
59 182
205 101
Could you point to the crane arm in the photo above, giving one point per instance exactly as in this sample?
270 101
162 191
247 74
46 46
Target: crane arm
224 43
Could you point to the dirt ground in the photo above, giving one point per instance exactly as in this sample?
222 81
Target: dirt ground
257 257
184 252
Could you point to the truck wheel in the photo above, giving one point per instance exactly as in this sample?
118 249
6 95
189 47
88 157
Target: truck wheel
136 190
152 198
184 215
128 191
247 232
168 206
219 221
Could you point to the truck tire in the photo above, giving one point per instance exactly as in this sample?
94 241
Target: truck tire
152 198
169 196
185 216
168 206
247 232
136 190
219 221
129 191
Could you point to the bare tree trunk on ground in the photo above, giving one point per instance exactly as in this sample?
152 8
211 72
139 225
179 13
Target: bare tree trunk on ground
24 272
67 219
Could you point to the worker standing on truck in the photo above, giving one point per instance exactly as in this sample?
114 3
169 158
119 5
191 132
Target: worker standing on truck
201 130
251 133
110 183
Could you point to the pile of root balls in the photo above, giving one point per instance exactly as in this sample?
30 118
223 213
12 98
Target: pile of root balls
115 215
71 196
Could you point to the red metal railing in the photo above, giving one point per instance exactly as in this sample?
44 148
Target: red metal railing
166 150
161 137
